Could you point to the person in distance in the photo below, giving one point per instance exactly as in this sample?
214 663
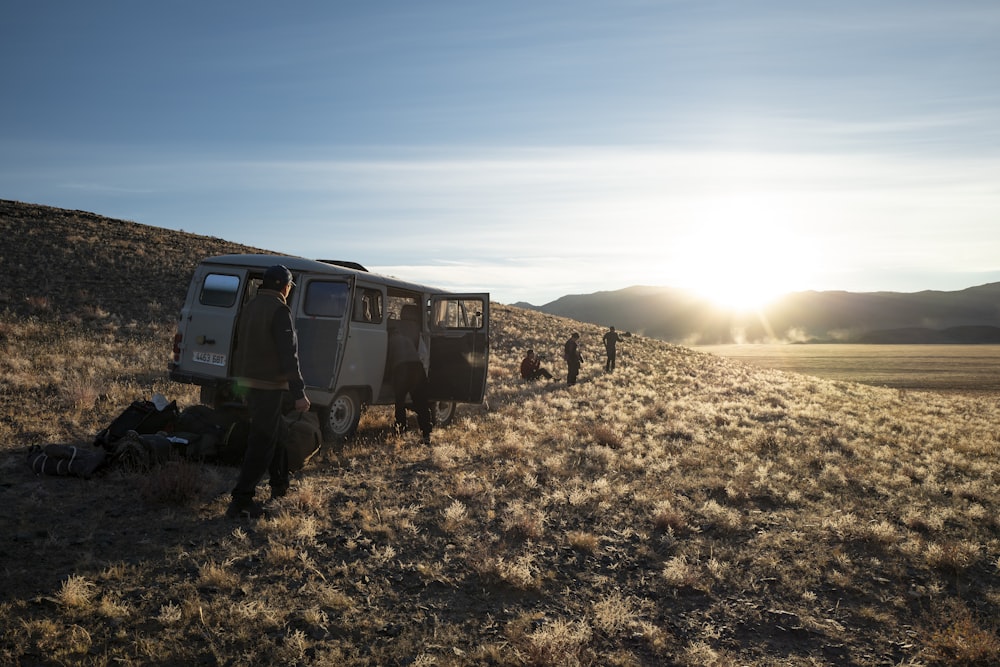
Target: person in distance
531 367
611 340
573 357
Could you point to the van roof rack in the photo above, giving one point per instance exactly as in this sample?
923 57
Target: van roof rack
345 263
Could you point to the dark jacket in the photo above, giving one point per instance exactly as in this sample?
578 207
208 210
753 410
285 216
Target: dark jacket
403 344
571 352
266 355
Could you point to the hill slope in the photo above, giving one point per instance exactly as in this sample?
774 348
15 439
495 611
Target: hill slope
57 261
684 510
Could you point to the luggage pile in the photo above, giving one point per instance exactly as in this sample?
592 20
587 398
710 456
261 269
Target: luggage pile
152 431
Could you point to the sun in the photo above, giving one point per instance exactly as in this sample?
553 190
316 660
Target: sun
738 278
740 296
741 267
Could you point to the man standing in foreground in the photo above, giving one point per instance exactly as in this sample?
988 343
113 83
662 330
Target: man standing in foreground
266 366
573 357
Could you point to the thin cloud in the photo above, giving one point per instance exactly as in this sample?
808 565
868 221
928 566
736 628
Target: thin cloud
103 188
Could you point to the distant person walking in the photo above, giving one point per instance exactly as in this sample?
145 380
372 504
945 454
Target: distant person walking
266 366
531 367
573 357
611 339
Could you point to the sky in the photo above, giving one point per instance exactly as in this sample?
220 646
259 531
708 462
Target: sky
529 148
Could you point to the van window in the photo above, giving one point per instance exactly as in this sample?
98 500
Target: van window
219 290
368 305
326 299
398 300
458 313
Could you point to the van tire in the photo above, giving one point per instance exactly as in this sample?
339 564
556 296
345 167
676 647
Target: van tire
342 417
443 412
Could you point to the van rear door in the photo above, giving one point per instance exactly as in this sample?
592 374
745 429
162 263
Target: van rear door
459 347
208 333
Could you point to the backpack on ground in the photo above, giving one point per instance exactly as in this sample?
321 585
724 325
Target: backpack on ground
204 429
214 435
143 416
140 453
65 460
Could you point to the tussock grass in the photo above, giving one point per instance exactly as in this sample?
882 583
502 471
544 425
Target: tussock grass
696 511
685 509
75 592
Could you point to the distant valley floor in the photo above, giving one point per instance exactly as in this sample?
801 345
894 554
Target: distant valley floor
949 368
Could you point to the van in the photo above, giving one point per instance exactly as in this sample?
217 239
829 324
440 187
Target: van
342 314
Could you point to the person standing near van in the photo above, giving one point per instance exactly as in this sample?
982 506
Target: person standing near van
408 374
266 366
573 357
611 339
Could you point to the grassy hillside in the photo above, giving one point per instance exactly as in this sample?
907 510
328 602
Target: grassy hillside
685 510
84 267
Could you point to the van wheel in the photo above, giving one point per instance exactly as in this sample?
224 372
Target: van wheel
343 415
443 412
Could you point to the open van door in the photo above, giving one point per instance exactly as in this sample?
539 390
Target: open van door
459 347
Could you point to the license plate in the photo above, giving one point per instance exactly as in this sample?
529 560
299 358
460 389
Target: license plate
211 358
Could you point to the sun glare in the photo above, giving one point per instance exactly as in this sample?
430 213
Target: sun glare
742 268
740 297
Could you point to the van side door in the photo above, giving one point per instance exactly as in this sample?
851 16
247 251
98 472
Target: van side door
322 313
459 347
365 349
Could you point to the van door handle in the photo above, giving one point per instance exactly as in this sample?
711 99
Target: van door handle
205 341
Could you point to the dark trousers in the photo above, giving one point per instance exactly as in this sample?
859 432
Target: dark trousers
572 371
539 373
265 444
609 365
410 378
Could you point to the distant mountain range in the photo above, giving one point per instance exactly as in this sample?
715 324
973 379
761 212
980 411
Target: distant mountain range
968 316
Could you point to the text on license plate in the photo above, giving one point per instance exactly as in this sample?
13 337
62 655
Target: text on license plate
213 358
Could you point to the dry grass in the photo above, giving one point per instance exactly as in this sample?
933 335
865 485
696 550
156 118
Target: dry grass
685 509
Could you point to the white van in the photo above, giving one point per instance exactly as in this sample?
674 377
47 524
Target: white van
341 314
